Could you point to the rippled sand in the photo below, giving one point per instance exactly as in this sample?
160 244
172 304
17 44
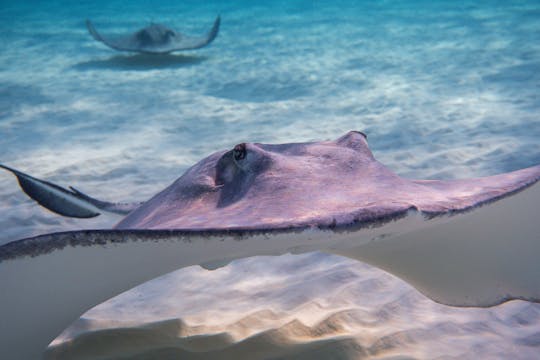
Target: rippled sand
299 307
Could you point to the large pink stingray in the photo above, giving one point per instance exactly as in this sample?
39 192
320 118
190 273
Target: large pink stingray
468 242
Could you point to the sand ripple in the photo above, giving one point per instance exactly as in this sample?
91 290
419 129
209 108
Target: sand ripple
328 308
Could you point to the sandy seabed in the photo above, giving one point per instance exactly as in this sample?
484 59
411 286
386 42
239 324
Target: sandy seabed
442 90
295 307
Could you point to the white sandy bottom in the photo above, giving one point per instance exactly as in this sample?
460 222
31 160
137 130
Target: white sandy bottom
294 306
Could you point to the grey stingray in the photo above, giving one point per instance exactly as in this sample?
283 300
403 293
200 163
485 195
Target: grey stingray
467 242
155 39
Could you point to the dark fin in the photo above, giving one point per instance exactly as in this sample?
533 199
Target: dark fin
70 203
53 197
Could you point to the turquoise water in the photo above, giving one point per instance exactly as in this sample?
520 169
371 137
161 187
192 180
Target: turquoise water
443 90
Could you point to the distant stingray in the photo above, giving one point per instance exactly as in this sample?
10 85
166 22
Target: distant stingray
467 242
155 39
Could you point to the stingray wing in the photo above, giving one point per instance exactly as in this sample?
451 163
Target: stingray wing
121 43
479 246
443 197
195 42
479 258
131 43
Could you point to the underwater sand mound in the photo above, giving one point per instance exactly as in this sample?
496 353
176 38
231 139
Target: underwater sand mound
367 314
173 339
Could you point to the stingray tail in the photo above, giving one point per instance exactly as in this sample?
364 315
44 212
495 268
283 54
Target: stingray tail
70 203
117 208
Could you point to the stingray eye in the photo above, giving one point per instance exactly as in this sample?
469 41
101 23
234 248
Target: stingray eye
239 152
169 33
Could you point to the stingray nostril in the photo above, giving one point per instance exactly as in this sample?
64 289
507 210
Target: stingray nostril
239 152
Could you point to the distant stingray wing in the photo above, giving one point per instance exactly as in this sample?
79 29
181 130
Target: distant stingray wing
70 203
122 43
190 43
130 42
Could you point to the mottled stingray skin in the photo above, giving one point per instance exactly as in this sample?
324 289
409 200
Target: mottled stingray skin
155 39
320 184
460 242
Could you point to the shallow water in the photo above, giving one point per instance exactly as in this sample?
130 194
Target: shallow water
443 90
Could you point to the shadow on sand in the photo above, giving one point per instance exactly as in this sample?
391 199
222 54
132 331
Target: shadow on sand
141 62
